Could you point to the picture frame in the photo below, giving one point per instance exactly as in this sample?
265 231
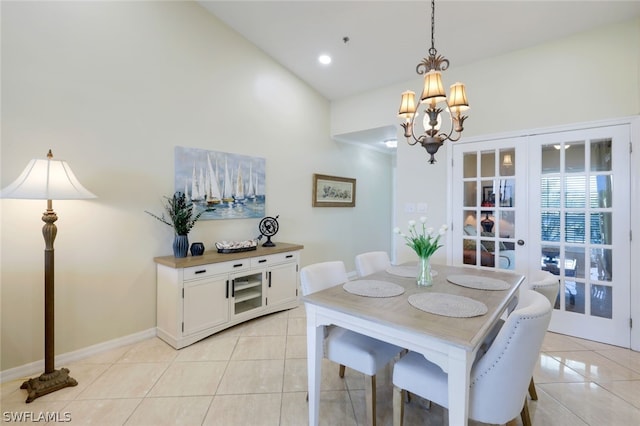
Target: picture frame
488 196
333 191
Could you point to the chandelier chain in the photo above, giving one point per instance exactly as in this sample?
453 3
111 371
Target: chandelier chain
433 25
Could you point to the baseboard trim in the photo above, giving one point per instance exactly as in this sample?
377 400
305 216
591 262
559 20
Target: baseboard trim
36 367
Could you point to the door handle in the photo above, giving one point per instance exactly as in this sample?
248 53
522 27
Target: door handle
520 242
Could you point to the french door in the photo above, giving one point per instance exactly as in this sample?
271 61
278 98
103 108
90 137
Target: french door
579 192
557 202
490 204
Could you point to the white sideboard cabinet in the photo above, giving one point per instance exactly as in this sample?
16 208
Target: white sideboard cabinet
200 295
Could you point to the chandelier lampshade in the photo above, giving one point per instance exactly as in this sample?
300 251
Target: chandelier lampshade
407 105
433 91
458 98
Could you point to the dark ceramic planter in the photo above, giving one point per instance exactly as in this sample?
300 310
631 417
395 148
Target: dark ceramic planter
197 249
180 246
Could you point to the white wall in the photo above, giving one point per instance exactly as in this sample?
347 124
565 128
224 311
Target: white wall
113 87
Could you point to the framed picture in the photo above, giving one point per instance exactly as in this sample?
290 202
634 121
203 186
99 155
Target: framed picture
333 191
232 186
488 196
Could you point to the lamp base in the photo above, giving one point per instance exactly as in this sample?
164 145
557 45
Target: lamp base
47 383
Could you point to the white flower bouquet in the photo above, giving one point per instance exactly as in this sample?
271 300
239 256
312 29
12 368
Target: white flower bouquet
424 242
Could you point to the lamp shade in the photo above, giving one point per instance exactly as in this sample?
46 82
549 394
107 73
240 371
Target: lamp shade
458 98
46 179
407 105
433 90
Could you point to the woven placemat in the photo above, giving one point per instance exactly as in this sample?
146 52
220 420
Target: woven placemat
477 282
407 271
448 305
373 288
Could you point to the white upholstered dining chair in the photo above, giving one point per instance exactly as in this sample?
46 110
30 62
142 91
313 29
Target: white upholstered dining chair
372 262
345 347
499 379
547 284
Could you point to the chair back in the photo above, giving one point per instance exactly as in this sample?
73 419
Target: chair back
545 283
372 262
500 379
319 276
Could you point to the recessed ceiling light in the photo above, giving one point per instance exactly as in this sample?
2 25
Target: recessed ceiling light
324 59
391 143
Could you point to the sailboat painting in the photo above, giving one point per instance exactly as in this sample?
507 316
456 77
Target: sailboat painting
232 184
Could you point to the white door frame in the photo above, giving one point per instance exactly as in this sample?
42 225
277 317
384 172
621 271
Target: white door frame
634 122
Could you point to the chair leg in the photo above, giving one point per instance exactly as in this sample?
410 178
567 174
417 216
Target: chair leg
341 373
532 390
398 406
370 402
524 414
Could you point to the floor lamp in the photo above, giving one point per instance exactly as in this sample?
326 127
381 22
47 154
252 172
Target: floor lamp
47 179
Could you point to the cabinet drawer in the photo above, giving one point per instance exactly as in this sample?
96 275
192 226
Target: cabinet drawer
203 271
272 259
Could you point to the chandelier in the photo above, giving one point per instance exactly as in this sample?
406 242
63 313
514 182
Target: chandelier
432 95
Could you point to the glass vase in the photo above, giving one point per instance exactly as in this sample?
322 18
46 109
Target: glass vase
424 278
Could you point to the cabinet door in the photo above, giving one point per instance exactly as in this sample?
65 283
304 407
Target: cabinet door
206 304
282 283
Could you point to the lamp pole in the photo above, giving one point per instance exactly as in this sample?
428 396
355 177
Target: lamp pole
51 380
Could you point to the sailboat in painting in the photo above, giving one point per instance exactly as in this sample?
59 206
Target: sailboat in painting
227 196
196 188
239 189
213 188
251 191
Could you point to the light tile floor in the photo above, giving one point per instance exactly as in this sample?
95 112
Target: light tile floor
255 374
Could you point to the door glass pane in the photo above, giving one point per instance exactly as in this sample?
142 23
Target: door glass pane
550 259
574 227
487 223
574 157
574 296
507 224
469 164
601 155
601 264
574 262
601 228
469 222
601 301
601 188
469 195
550 190
488 194
550 159
550 226
507 162
575 191
507 193
488 164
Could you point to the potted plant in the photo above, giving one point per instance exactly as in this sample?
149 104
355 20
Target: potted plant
181 217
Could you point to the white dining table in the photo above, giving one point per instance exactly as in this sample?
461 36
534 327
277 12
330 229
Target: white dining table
449 342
